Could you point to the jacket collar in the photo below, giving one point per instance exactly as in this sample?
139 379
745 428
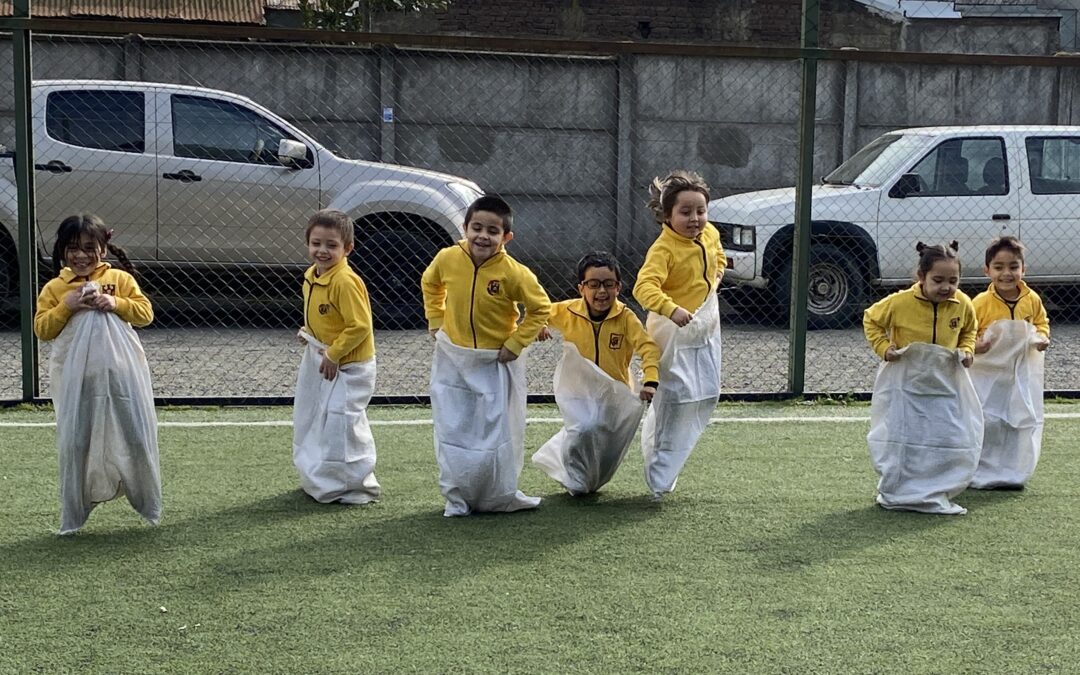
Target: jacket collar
324 278
579 308
668 231
1022 285
917 288
68 276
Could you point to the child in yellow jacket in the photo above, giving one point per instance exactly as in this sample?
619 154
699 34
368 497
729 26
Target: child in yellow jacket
926 426
682 269
472 291
933 310
333 448
585 453
101 390
1008 296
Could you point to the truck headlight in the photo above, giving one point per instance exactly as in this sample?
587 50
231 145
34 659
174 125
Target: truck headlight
743 237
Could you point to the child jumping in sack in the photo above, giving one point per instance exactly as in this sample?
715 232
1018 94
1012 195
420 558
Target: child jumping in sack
925 419
600 411
677 285
333 449
106 427
472 291
1008 370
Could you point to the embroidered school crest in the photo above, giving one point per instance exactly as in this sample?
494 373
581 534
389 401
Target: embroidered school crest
493 287
324 309
615 341
954 323
108 289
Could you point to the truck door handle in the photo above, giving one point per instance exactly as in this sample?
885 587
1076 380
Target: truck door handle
185 176
55 166
1001 216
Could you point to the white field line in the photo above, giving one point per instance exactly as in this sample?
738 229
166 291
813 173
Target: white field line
824 419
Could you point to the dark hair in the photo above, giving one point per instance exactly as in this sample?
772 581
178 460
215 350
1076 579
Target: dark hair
331 219
928 255
492 204
1006 243
72 229
597 259
665 191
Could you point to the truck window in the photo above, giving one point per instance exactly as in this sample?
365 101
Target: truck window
1054 164
962 167
102 120
206 128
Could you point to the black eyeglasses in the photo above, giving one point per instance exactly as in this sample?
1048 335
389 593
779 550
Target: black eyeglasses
595 284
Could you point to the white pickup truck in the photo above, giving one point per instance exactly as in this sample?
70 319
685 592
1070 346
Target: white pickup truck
210 192
934 185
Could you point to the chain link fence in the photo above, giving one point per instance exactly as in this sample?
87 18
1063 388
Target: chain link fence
207 157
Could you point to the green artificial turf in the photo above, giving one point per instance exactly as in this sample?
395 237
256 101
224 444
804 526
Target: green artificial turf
769 557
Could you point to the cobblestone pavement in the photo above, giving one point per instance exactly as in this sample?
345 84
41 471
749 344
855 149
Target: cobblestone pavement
221 362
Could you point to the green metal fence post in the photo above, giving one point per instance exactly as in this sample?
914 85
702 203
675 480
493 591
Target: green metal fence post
800 257
24 181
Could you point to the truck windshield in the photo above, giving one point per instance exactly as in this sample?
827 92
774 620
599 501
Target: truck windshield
877 162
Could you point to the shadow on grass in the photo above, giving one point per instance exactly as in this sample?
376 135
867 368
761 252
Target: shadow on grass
291 535
840 534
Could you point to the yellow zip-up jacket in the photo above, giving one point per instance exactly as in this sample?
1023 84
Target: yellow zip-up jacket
52 314
477 307
609 343
991 307
680 272
338 313
907 316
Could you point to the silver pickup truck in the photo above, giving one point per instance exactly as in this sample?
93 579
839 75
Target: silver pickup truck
209 192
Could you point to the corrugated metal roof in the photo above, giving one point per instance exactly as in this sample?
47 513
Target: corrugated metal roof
215 11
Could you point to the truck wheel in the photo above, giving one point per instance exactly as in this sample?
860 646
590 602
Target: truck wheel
836 291
9 275
391 261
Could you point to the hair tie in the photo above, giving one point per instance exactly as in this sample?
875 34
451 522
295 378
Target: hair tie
109 234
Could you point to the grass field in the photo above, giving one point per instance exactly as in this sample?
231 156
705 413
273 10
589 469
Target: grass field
770 557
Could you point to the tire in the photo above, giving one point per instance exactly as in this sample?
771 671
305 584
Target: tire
836 292
9 276
391 260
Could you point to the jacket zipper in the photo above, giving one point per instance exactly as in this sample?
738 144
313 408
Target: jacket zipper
705 264
596 340
472 303
307 308
933 334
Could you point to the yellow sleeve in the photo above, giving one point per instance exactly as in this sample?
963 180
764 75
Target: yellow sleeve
431 283
650 279
969 332
131 305
349 295
876 320
51 314
981 312
646 348
1039 318
537 310
721 260
559 316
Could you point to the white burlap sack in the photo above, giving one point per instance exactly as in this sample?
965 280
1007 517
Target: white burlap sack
925 430
687 395
333 449
478 407
1009 381
600 417
106 426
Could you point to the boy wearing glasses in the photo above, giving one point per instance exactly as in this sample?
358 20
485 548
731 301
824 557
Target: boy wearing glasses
602 328
600 410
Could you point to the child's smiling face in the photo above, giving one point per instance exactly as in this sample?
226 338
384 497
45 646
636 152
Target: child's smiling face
84 256
326 247
1005 270
600 288
486 234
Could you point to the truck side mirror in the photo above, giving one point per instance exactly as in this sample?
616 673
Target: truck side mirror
293 154
907 185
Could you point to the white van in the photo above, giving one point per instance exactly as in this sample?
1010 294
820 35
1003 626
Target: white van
937 184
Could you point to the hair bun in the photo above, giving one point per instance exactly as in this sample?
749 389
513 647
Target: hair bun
954 246
919 247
